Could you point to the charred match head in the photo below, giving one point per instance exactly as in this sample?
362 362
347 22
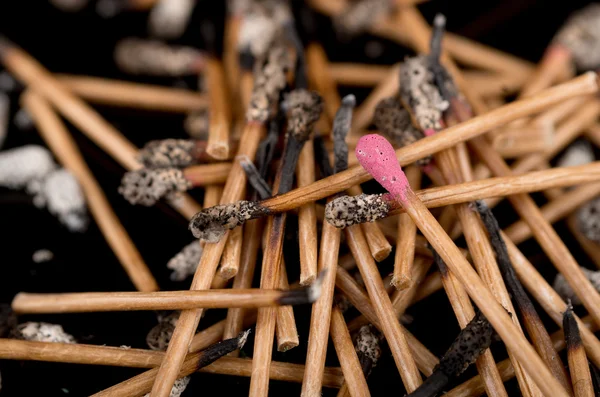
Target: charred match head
212 223
219 349
351 210
581 36
185 262
43 332
304 295
394 121
562 287
367 348
588 219
147 186
359 16
160 335
420 94
341 126
304 109
167 153
579 153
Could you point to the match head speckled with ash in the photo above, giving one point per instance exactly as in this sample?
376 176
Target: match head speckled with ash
304 109
588 220
581 35
359 15
269 80
419 93
351 210
147 186
395 122
367 348
167 153
212 223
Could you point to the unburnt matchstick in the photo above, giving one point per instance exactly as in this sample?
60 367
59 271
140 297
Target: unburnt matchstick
169 18
148 57
470 343
378 157
578 362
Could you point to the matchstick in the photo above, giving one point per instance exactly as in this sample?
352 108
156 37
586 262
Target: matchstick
488 85
555 210
354 378
307 217
373 151
357 75
578 363
520 141
220 114
134 95
166 300
55 133
405 243
285 325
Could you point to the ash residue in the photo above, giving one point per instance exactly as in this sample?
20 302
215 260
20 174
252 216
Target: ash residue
367 348
588 220
394 121
147 186
167 153
562 287
261 21
210 224
579 153
159 337
42 332
581 35
359 16
20 166
186 261
420 94
304 109
351 210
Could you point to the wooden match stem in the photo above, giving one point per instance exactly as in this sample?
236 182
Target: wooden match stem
207 174
556 59
484 299
220 113
474 388
384 309
354 378
134 95
320 77
357 75
522 141
578 362
585 84
320 319
285 326
55 133
189 319
231 63
232 254
555 210
405 243
36 77
83 302
307 217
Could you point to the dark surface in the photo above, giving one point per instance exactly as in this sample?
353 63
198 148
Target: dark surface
82 43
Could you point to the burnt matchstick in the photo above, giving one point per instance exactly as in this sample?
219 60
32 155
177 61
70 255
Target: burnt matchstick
578 362
367 348
146 186
166 300
359 16
174 153
255 179
378 157
535 328
149 57
470 343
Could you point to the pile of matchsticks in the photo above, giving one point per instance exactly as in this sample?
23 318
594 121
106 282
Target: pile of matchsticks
281 159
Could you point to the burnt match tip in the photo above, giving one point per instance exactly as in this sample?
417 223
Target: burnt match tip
304 295
167 153
243 337
368 348
571 329
304 108
349 101
439 21
212 223
351 210
147 186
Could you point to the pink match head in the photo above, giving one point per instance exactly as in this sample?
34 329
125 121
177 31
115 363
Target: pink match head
378 157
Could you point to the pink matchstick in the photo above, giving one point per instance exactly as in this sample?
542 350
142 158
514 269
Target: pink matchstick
377 156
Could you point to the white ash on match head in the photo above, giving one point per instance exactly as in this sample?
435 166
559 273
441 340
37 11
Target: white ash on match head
579 153
562 287
196 124
419 93
394 121
167 153
178 387
304 109
269 80
581 35
160 335
156 58
351 210
147 186
360 15
186 261
169 18
367 347
261 22
20 166
588 220
211 223
43 332
62 195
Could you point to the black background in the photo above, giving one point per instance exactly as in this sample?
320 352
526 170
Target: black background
82 43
